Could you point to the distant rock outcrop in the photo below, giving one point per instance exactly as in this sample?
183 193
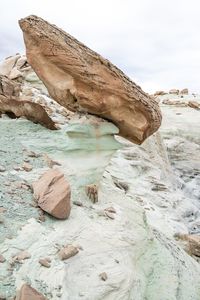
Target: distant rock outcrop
81 80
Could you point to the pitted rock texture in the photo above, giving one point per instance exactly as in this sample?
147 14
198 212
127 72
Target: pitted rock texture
81 80
53 193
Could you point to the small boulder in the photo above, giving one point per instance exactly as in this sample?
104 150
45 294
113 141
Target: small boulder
67 252
45 262
28 293
27 167
184 92
174 91
53 193
194 104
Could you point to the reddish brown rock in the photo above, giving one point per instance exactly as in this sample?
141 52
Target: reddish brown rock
81 80
28 293
53 193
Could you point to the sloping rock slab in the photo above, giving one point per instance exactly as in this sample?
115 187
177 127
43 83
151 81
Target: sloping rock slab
53 193
82 80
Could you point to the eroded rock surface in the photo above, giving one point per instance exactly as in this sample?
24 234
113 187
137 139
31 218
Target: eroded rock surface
81 80
52 191
11 104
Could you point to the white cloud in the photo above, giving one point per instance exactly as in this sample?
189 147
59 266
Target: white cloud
155 42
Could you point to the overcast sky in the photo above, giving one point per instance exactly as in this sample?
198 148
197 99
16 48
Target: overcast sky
155 42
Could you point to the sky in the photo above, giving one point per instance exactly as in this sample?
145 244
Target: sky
155 42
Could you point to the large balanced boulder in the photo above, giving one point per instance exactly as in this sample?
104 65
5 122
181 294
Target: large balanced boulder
52 192
82 80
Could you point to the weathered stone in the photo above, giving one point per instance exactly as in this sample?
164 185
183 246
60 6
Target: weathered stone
15 73
194 104
193 243
27 167
10 104
22 256
103 276
174 91
159 93
67 252
81 80
7 65
184 92
28 293
45 262
52 191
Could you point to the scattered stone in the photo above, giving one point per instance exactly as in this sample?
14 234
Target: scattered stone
45 262
2 259
121 185
17 168
67 252
109 215
78 203
21 256
111 210
174 91
50 162
28 293
194 104
92 192
32 154
103 276
2 169
52 192
27 167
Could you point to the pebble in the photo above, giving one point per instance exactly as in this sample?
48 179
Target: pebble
27 167
45 262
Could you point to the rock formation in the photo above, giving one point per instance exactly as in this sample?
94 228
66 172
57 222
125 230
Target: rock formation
28 293
52 192
81 80
11 104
